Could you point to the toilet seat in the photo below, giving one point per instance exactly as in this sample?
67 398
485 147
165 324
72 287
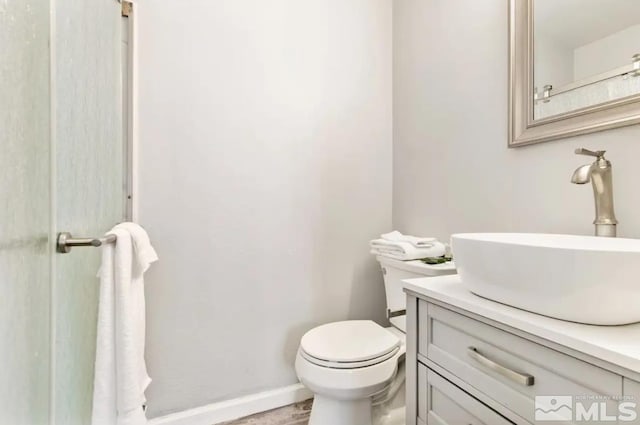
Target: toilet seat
349 345
348 365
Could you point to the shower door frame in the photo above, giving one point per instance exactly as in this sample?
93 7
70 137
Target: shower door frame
128 105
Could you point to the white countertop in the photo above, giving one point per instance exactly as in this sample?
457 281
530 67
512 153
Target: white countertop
619 345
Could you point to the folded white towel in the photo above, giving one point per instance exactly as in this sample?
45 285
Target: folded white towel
396 236
121 377
406 251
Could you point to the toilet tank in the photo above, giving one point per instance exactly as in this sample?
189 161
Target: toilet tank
395 271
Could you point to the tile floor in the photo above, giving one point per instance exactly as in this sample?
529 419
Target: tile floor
296 414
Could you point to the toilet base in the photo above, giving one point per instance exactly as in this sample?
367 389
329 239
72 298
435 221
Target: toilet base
327 411
389 416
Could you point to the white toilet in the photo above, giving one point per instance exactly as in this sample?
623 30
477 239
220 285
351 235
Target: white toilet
355 368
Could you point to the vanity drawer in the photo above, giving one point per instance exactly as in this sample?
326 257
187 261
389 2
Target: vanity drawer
442 403
509 369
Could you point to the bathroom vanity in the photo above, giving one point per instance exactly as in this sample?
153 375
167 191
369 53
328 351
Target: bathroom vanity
474 361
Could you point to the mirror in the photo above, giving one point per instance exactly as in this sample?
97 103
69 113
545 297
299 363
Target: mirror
585 52
575 67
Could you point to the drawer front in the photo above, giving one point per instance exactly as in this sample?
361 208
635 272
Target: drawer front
446 404
510 369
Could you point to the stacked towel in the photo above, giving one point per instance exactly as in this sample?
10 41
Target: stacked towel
396 236
404 247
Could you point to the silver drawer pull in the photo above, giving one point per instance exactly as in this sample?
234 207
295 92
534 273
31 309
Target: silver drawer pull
517 377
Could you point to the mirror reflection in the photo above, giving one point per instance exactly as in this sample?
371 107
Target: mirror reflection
586 53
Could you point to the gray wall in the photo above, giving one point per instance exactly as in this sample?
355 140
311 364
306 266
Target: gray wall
264 170
452 169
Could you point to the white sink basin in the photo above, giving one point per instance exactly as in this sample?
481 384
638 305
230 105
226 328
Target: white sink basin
577 278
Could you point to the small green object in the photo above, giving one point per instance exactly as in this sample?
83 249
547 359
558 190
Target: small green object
436 260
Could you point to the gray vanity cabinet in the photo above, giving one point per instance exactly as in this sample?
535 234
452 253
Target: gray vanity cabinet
464 370
442 403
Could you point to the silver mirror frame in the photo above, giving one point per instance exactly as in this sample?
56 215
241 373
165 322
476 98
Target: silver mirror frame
523 129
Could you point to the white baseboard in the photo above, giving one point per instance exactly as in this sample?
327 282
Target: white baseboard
237 408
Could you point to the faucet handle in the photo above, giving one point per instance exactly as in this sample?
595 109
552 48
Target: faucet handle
597 154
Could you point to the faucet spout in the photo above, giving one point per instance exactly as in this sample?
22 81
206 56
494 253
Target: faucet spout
600 175
582 175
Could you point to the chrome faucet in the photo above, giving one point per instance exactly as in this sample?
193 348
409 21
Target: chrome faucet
599 173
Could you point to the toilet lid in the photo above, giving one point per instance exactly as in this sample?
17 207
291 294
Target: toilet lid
349 341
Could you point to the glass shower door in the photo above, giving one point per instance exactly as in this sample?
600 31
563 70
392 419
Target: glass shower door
25 228
61 165
88 186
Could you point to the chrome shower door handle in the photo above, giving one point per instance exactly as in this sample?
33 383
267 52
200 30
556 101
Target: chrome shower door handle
66 241
517 377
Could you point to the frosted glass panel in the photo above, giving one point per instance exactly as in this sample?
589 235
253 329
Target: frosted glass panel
87 200
24 212
89 193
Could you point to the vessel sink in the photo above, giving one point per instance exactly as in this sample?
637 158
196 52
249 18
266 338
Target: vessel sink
581 279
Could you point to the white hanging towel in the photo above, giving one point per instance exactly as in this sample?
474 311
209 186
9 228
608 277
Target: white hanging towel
121 377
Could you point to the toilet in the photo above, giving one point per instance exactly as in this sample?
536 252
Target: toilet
355 368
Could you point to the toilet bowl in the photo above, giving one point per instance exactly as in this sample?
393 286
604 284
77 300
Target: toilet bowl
355 368
349 366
